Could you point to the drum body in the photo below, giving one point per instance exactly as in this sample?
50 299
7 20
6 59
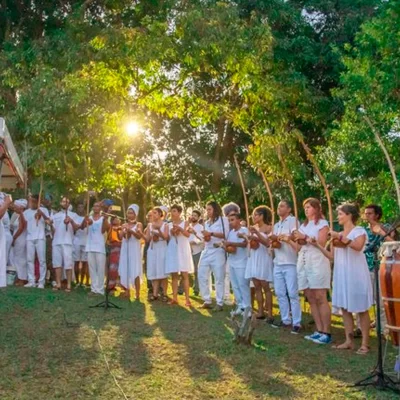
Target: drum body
389 276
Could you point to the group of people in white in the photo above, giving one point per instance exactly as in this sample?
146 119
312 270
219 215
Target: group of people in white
289 256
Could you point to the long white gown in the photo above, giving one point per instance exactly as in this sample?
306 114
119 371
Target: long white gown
352 288
156 257
3 259
130 261
179 255
18 251
260 265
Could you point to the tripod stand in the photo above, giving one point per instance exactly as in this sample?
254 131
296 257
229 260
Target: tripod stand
378 378
106 303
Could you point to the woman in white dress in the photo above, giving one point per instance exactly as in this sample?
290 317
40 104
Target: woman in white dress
130 262
157 235
18 247
178 258
314 269
259 266
5 201
352 288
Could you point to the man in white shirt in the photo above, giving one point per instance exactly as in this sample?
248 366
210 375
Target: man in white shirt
197 245
235 246
285 271
36 218
64 224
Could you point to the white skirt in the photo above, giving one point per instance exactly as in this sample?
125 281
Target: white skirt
178 256
130 262
259 265
156 260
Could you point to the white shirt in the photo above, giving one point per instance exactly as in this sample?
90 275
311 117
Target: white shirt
216 227
95 239
35 229
63 234
239 258
196 243
312 229
286 254
81 234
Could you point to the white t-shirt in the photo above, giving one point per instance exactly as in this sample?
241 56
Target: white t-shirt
95 239
81 234
216 227
312 229
197 244
239 258
63 235
286 254
35 229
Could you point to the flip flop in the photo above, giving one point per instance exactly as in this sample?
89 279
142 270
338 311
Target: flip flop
68 290
363 350
337 347
56 288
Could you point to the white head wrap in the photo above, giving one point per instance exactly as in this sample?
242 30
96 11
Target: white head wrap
21 203
164 209
134 208
70 207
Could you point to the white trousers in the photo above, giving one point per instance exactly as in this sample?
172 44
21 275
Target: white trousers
227 282
212 262
97 267
241 287
18 258
37 246
286 289
9 240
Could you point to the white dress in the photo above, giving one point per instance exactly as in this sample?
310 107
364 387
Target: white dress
6 223
179 255
18 251
3 259
352 288
156 257
130 261
259 264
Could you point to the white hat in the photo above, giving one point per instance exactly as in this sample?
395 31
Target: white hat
21 203
164 209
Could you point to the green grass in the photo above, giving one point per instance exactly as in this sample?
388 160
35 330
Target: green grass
161 352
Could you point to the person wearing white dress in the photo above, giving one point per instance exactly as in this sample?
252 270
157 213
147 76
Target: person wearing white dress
80 254
178 258
7 230
235 246
213 257
96 248
18 247
259 266
285 271
64 224
352 289
36 219
157 235
314 269
5 201
130 267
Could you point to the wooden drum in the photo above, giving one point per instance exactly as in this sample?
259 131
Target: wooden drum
389 275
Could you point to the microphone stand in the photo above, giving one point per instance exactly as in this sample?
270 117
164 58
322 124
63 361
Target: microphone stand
378 378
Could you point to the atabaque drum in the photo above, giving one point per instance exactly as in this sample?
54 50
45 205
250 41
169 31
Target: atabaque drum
389 275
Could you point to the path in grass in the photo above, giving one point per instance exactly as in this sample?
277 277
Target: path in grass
159 352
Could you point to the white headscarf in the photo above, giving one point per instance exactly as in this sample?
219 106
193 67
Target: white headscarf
70 208
164 209
21 203
134 208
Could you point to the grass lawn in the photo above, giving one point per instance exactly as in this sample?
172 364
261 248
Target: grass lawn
160 352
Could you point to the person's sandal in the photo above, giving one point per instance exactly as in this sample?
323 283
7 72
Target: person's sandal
363 350
165 298
68 290
153 298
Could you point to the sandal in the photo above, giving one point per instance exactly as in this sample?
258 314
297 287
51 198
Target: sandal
165 298
188 304
261 317
153 298
173 303
342 347
363 350
68 290
56 288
